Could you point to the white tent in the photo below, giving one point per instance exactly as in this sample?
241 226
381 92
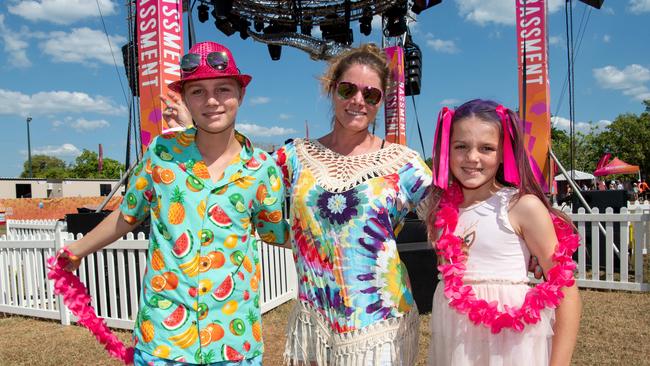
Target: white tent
577 175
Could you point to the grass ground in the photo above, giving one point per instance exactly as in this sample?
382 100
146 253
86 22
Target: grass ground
615 330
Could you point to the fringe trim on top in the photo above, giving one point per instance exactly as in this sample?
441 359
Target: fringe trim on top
310 340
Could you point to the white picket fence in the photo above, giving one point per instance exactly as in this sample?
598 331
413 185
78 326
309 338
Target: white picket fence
33 227
113 277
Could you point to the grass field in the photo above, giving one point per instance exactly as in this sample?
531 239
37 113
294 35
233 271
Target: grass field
615 330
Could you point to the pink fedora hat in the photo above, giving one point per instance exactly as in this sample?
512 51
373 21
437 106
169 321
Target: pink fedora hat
208 60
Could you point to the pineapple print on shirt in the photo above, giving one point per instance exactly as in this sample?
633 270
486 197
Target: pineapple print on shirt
200 297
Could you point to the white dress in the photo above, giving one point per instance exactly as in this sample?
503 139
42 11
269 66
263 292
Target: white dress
497 270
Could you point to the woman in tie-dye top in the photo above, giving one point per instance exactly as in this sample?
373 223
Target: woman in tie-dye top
350 191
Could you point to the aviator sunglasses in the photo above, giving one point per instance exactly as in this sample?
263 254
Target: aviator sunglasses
216 60
347 90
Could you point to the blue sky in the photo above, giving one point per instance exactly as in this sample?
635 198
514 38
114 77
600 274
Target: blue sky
57 67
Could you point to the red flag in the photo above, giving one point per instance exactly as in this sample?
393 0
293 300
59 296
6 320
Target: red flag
100 161
603 161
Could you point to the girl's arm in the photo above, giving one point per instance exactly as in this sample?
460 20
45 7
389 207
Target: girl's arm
532 221
106 232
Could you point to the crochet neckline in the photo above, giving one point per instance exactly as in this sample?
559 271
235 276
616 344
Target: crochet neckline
338 173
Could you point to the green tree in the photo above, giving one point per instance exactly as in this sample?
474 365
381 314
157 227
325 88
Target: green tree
86 166
44 166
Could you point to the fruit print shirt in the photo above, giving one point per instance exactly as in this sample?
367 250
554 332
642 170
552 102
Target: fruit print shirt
200 299
345 213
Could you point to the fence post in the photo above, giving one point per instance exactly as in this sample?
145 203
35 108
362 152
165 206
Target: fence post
64 314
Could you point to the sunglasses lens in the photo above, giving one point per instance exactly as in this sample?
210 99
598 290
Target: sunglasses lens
346 90
190 62
371 95
218 60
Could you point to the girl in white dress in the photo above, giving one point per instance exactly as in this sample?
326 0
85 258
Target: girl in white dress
491 217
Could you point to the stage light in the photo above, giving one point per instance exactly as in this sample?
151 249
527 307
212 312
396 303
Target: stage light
258 24
365 22
395 21
595 3
243 28
225 26
275 51
412 67
306 25
337 30
419 5
222 8
204 12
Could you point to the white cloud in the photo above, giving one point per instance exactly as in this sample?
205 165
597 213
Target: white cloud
484 12
639 6
259 100
631 80
584 127
451 102
82 125
61 11
65 150
607 38
257 130
441 45
14 47
284 116
83 45
52 102
555 40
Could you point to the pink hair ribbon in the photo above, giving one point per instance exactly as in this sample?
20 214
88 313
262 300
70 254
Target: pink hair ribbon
443 129
510 172
75 298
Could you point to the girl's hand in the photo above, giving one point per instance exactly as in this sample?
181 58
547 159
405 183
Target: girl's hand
176 113
535 268
72 261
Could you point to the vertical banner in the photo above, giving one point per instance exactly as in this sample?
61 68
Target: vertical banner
160 47
395 98
534 110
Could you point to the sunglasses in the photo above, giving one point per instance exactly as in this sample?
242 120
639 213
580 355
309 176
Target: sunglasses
347 90
216 60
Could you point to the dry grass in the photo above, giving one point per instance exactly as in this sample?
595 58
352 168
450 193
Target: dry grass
615 330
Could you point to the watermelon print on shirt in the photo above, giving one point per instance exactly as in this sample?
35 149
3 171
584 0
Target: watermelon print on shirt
345 214
200 295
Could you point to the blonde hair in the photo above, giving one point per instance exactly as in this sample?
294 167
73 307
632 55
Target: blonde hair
367 54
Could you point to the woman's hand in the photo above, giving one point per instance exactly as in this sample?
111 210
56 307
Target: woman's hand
176 113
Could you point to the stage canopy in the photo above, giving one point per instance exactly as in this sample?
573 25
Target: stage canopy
577 175
616 166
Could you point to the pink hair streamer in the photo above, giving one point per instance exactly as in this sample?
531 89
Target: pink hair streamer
443 129
76 299
510 172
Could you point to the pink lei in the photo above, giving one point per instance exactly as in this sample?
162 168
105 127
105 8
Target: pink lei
76 298
462 297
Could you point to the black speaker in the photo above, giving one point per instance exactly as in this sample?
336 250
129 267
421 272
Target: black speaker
86 220
420 262
601 199
595 3
616 199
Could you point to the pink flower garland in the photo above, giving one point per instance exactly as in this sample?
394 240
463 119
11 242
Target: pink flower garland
462 297
76 298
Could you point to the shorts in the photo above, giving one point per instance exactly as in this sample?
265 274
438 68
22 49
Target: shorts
141 358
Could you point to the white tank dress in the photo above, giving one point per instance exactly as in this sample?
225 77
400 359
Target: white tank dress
497 270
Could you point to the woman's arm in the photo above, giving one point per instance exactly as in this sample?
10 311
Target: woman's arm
532 221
